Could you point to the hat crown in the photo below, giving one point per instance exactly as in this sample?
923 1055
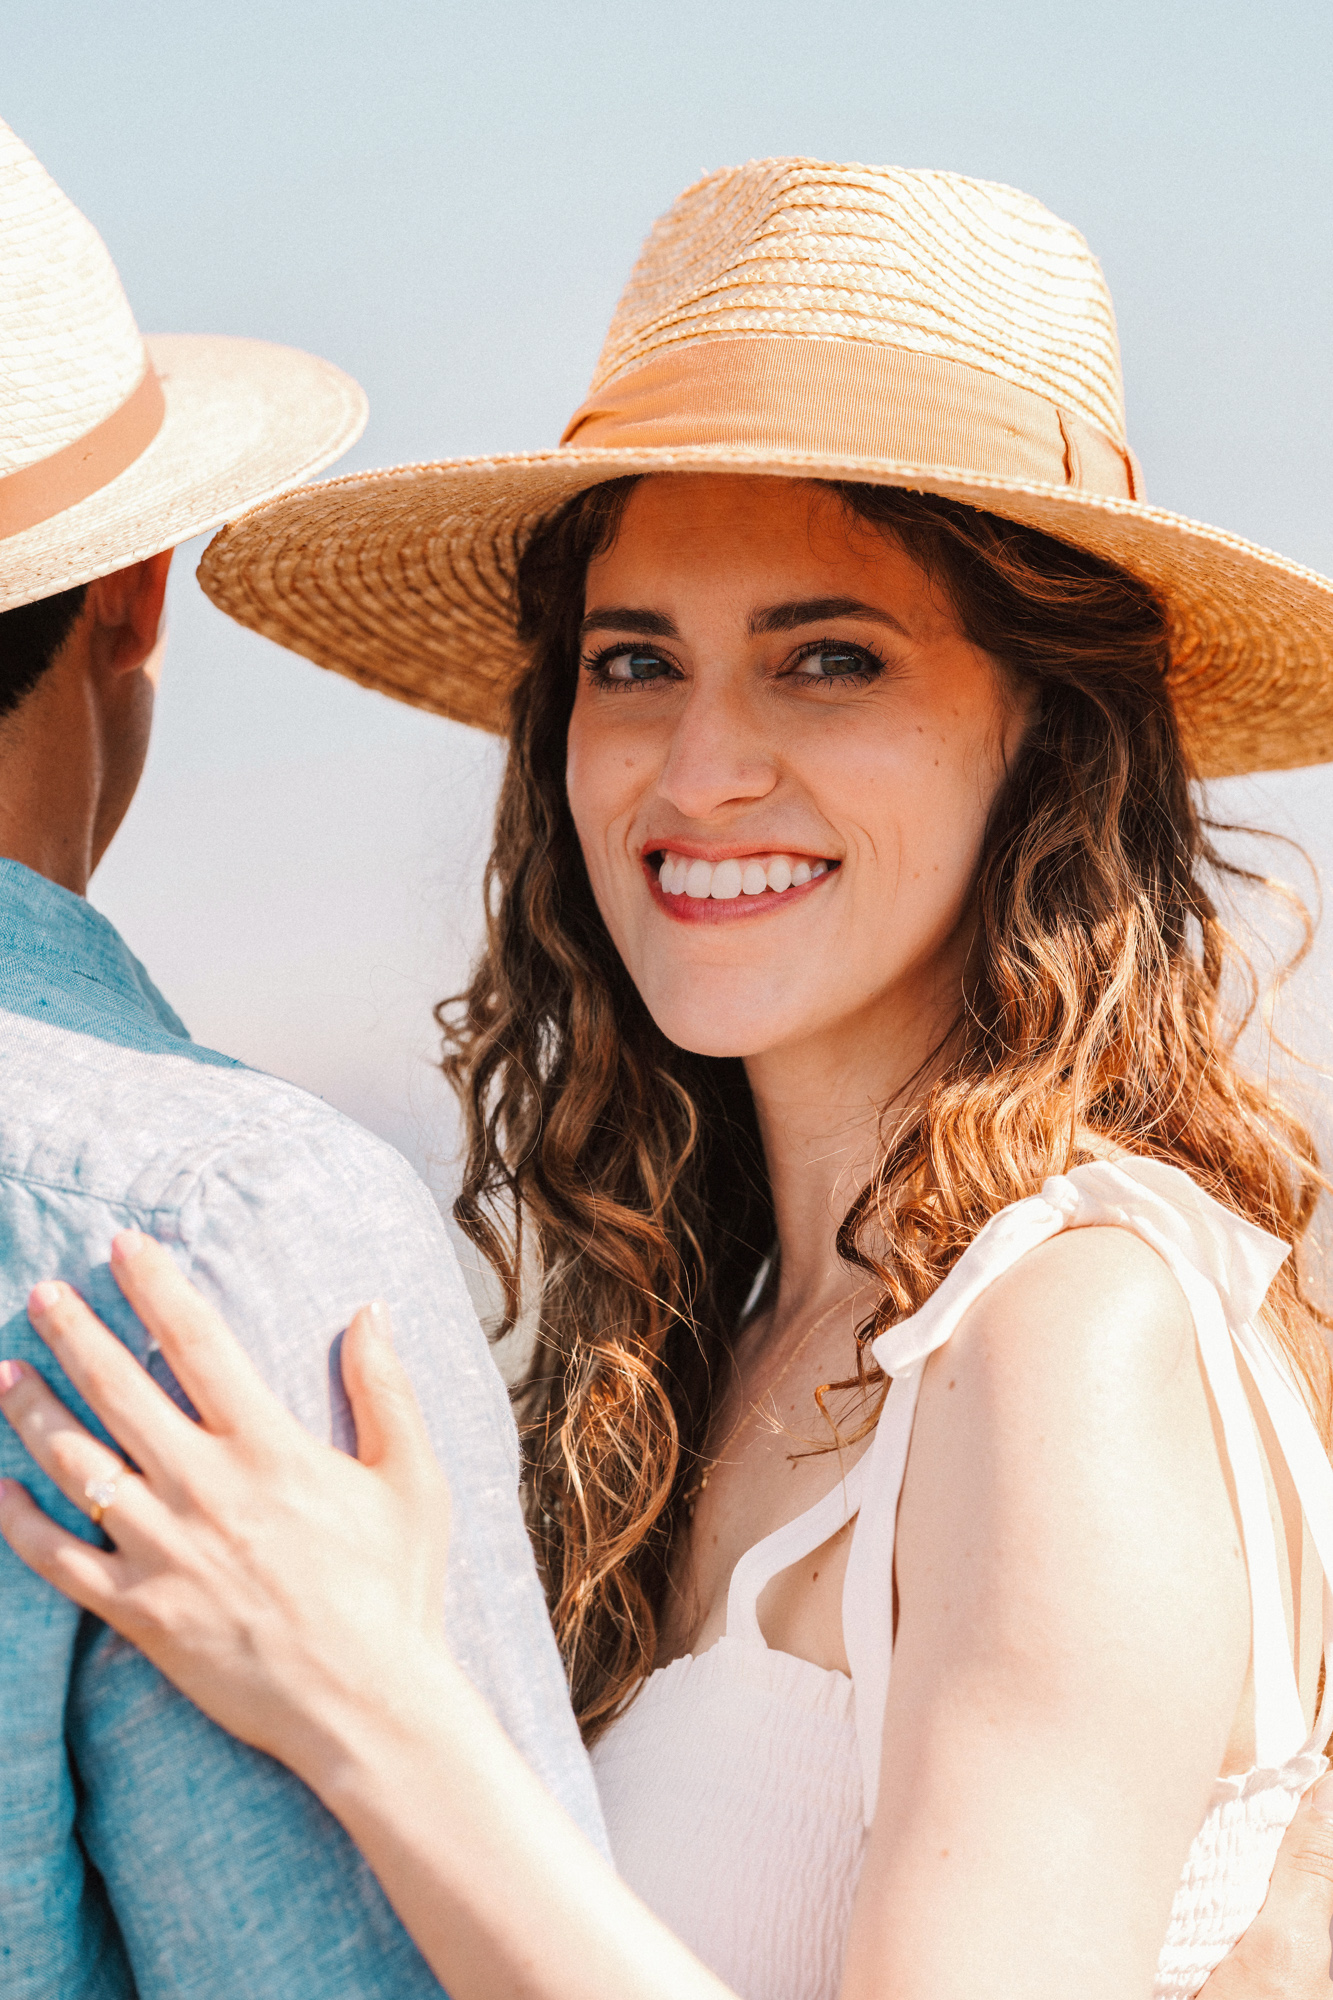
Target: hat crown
927 262
70 352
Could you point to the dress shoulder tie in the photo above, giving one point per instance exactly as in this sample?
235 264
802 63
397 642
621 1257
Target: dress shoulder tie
1224 1266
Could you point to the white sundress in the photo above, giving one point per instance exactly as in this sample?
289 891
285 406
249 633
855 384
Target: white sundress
738 1785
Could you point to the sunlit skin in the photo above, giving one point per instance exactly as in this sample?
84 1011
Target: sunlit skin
73 751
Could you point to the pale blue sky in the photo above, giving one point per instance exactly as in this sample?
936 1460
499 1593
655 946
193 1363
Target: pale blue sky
446 201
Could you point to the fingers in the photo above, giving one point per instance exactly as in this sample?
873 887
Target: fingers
390 1432
1286 1950
83 1468
83 1573
143 1421
199 1347
1306 1853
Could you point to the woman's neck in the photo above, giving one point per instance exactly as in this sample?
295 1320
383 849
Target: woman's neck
826 1107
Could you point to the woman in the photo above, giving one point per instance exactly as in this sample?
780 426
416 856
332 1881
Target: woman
851 1010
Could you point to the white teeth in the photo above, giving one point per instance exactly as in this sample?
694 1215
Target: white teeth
723 881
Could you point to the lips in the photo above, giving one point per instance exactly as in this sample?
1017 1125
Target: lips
694 889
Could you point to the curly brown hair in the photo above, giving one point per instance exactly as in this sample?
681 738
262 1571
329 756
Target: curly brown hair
629 1172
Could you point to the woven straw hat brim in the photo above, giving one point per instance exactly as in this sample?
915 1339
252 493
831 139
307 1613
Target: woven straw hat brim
403 580
244 420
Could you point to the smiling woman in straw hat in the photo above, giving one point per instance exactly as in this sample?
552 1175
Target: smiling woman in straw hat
927 1428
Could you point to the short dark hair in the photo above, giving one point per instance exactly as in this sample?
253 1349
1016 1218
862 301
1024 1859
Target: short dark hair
30 637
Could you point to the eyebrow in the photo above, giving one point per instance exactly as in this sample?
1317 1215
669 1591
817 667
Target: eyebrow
627 618
773 618
815 610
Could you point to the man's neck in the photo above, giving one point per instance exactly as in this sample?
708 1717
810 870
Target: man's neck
51 781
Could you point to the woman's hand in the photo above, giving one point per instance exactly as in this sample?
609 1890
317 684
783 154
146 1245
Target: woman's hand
1285 1953
296 1596
279 1583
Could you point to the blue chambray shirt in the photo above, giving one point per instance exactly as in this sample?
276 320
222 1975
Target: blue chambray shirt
142 1850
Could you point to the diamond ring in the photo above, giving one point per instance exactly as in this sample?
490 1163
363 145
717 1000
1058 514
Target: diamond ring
101 1492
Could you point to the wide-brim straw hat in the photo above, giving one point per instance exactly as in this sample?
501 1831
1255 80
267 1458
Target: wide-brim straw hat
113 447
791 318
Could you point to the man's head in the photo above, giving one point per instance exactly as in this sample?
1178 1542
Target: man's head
30 637
78 673
113 449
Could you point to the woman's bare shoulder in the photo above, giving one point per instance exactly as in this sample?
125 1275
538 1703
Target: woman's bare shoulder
1065 1469
1090 1299
1075 1377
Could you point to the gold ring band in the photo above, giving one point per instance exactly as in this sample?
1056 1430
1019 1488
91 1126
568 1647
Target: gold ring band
101 1493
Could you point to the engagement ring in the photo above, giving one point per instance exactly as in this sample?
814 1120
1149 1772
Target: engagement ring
101 1492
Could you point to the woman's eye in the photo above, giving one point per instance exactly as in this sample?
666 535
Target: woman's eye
630 666
837 663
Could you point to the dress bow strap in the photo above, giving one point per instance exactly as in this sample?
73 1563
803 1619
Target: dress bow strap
1224 1265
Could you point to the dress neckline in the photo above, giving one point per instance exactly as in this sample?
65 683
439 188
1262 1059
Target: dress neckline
774 1552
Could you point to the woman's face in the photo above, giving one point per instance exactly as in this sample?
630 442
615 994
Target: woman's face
781 758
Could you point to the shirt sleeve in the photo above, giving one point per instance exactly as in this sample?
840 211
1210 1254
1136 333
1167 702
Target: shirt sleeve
57 1933
226 1875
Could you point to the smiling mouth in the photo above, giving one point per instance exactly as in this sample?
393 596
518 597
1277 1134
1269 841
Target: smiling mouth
754 879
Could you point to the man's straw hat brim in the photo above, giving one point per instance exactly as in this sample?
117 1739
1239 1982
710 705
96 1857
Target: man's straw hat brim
243 420
113 447
797 319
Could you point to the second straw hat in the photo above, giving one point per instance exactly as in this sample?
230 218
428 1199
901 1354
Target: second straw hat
795 318
112 446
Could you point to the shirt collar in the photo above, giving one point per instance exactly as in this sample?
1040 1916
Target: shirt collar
58 929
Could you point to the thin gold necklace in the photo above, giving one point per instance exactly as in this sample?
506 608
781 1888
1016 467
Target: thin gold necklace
711 1463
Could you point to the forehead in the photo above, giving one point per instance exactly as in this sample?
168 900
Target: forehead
754 540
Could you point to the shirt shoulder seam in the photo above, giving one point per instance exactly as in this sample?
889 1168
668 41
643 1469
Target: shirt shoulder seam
52 1186
190 1174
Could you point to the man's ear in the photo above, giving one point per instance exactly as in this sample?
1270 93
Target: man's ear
126 613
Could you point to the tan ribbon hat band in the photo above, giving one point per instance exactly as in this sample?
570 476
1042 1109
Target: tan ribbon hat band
38 492
848 398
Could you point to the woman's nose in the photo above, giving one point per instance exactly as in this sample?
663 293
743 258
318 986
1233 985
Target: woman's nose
718 756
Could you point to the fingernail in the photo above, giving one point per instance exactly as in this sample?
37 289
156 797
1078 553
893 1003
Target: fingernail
1322 1800
10 1373
42 1297
125 1244
379 1318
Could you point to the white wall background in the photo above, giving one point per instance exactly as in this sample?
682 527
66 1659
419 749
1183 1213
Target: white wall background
445 199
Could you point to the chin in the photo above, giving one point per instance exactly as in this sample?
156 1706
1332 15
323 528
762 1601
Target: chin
701 1040
712 1023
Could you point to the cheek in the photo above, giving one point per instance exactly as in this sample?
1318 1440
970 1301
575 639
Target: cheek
921 809
586 778
604 780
